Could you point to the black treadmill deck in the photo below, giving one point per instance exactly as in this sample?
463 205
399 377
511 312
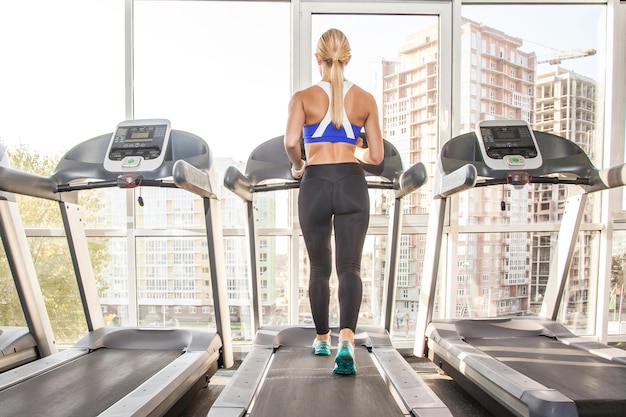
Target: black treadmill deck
107 376
596 385
299 380
281 376
531 363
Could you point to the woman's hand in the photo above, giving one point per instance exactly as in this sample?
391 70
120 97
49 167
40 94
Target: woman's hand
297 173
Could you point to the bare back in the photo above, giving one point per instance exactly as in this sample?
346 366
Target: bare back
357 104
309 106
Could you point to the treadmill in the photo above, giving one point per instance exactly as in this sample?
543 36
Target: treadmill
123 371
280 375
524 365
20 345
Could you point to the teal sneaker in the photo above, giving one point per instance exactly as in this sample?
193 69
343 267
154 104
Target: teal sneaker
321 347
344 361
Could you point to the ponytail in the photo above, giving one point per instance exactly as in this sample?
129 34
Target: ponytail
334 50
336 88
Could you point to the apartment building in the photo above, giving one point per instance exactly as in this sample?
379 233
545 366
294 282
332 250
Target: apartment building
499 273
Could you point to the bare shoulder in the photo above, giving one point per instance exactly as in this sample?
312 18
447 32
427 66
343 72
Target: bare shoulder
302 96
308 94
359 90
361 102
361 93
313 89
298 95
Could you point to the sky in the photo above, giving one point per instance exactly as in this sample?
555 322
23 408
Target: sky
226 79
368 47
549 30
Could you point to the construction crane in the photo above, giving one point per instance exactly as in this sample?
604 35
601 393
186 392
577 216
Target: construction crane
556 59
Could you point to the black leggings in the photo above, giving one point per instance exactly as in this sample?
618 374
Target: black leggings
334 193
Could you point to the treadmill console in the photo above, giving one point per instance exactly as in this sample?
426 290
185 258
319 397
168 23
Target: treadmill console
508 145
138 145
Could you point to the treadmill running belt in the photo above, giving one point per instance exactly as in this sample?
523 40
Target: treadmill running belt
299 383
85 386
595 384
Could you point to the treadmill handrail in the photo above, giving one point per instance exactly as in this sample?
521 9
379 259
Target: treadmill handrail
269 162
268 169
410 180
194 180
241 185
564 162
559 155
611 177
238 183
16 181
84 162
81 168
456 181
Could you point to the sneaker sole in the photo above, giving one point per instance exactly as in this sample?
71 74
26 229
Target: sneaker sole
344 365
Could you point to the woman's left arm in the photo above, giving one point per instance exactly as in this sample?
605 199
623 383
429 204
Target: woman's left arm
374 153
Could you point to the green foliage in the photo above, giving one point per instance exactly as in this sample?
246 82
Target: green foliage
58 284
10 310
35 212
100 259
617 270
50 256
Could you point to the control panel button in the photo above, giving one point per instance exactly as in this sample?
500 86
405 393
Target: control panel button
131 161
514 160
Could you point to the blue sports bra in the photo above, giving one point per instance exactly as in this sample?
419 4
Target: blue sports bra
324 131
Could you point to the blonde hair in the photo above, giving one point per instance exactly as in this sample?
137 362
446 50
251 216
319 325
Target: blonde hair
333 49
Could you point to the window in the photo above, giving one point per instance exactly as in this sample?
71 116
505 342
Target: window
193 92
184 89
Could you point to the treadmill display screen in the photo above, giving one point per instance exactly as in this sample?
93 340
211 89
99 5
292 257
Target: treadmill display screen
500 141
140 135
144 141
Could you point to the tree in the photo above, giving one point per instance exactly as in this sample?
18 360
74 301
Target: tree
50 255
617 270
617 279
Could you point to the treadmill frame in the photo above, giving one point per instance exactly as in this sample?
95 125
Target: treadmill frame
269 161
189 165
458 169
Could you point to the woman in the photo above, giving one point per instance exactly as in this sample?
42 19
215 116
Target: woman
333 191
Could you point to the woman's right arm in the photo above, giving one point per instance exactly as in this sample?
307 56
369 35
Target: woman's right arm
293 132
